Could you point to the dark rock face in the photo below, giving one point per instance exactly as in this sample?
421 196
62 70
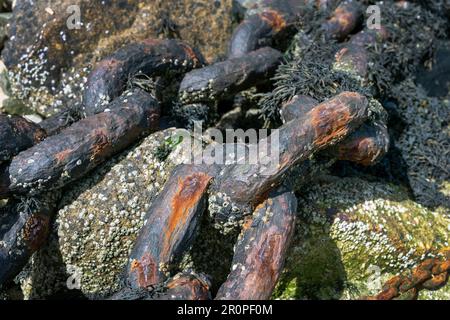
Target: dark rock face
49 55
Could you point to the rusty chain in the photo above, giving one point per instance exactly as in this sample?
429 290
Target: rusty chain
431 274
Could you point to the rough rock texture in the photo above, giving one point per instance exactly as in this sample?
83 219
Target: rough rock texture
49 61
348 229
99 219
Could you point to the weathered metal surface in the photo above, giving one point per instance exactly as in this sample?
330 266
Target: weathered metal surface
323 126
152 57
297 107
347 16
261 250
366 146
259 29
353 57
23 230
224 79
186 287
78 149
17 134
171 223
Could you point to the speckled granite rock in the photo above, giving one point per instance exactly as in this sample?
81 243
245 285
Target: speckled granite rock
99 220
352 235
49 62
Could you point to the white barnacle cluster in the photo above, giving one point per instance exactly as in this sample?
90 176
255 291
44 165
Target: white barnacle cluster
32 187
32 80
226 214
204 93
181 65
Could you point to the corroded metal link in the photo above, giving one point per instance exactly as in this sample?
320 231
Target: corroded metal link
152 57
353 57
325 125
260 252
346 18
257 29
28 223
431 274
226 78
78 149
17 134
366 146
171 223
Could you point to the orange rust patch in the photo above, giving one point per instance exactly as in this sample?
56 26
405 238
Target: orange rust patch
330 121
274 19
344 18
191 54
190 191
101 143
146 271
268 256
387 294
247 223
62 156
36 231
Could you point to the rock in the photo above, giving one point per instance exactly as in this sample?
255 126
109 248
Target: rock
352 235
7 103
49 59
99 220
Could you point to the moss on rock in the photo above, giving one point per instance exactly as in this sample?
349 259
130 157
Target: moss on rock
352 235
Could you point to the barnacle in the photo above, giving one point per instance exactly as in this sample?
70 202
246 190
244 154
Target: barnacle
137 219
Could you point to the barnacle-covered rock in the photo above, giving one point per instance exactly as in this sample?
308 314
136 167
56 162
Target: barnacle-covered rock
352 235
99 220
9 104
53 44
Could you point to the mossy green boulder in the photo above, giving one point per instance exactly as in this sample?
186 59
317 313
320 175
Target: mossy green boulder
352 235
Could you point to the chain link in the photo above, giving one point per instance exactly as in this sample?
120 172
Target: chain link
431 274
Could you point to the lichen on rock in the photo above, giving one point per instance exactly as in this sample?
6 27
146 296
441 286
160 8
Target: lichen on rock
352 235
